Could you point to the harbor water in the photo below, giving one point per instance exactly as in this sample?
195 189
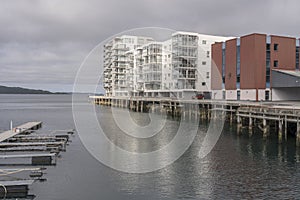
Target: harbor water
241 166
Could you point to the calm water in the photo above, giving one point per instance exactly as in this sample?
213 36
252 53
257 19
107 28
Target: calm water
239 167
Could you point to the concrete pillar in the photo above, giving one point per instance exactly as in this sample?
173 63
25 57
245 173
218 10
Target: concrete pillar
196 110
285 127
215 111
202 112
250 121
238 118
184 110
280 131
265 128
190 111
231 115
239 128
298 133
142 106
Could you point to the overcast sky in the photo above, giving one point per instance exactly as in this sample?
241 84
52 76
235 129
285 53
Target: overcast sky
43 42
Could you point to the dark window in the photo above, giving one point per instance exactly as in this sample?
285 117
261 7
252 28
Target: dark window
223 65
275 63
238 66
297 57
238 95
267 95
276 47
268 47
203 83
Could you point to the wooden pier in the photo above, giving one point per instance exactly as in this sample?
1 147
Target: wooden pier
284 116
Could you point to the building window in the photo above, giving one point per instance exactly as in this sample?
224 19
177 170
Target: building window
297 53
223 64
267 95
203 62
203 41
268 64
208 54
238 66
276 47
203 83
275 63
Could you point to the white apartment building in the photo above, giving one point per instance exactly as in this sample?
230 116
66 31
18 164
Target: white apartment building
140 66
115 62
149 69
192 62
157 68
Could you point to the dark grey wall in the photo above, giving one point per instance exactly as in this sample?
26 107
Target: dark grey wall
282 80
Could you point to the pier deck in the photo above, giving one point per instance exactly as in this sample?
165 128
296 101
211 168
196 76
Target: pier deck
22 129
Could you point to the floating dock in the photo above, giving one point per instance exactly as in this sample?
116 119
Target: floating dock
36 159
20 130
15 188
20 146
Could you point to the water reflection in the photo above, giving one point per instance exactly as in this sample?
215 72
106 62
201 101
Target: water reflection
241 166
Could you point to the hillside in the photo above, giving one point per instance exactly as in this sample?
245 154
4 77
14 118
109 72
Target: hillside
19 90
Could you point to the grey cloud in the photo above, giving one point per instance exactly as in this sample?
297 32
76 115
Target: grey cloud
45 41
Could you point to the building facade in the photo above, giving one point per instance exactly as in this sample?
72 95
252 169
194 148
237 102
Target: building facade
116 63
178 67
250 67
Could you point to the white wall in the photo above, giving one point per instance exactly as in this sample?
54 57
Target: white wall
204 55
188 95
231 95
261 95
248 95
217 94
285 94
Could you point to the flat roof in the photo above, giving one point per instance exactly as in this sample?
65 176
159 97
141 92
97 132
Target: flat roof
295 73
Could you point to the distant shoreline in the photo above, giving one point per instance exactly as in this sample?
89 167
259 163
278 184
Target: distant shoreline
20 90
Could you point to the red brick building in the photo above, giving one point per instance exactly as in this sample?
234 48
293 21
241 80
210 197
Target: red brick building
256 67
